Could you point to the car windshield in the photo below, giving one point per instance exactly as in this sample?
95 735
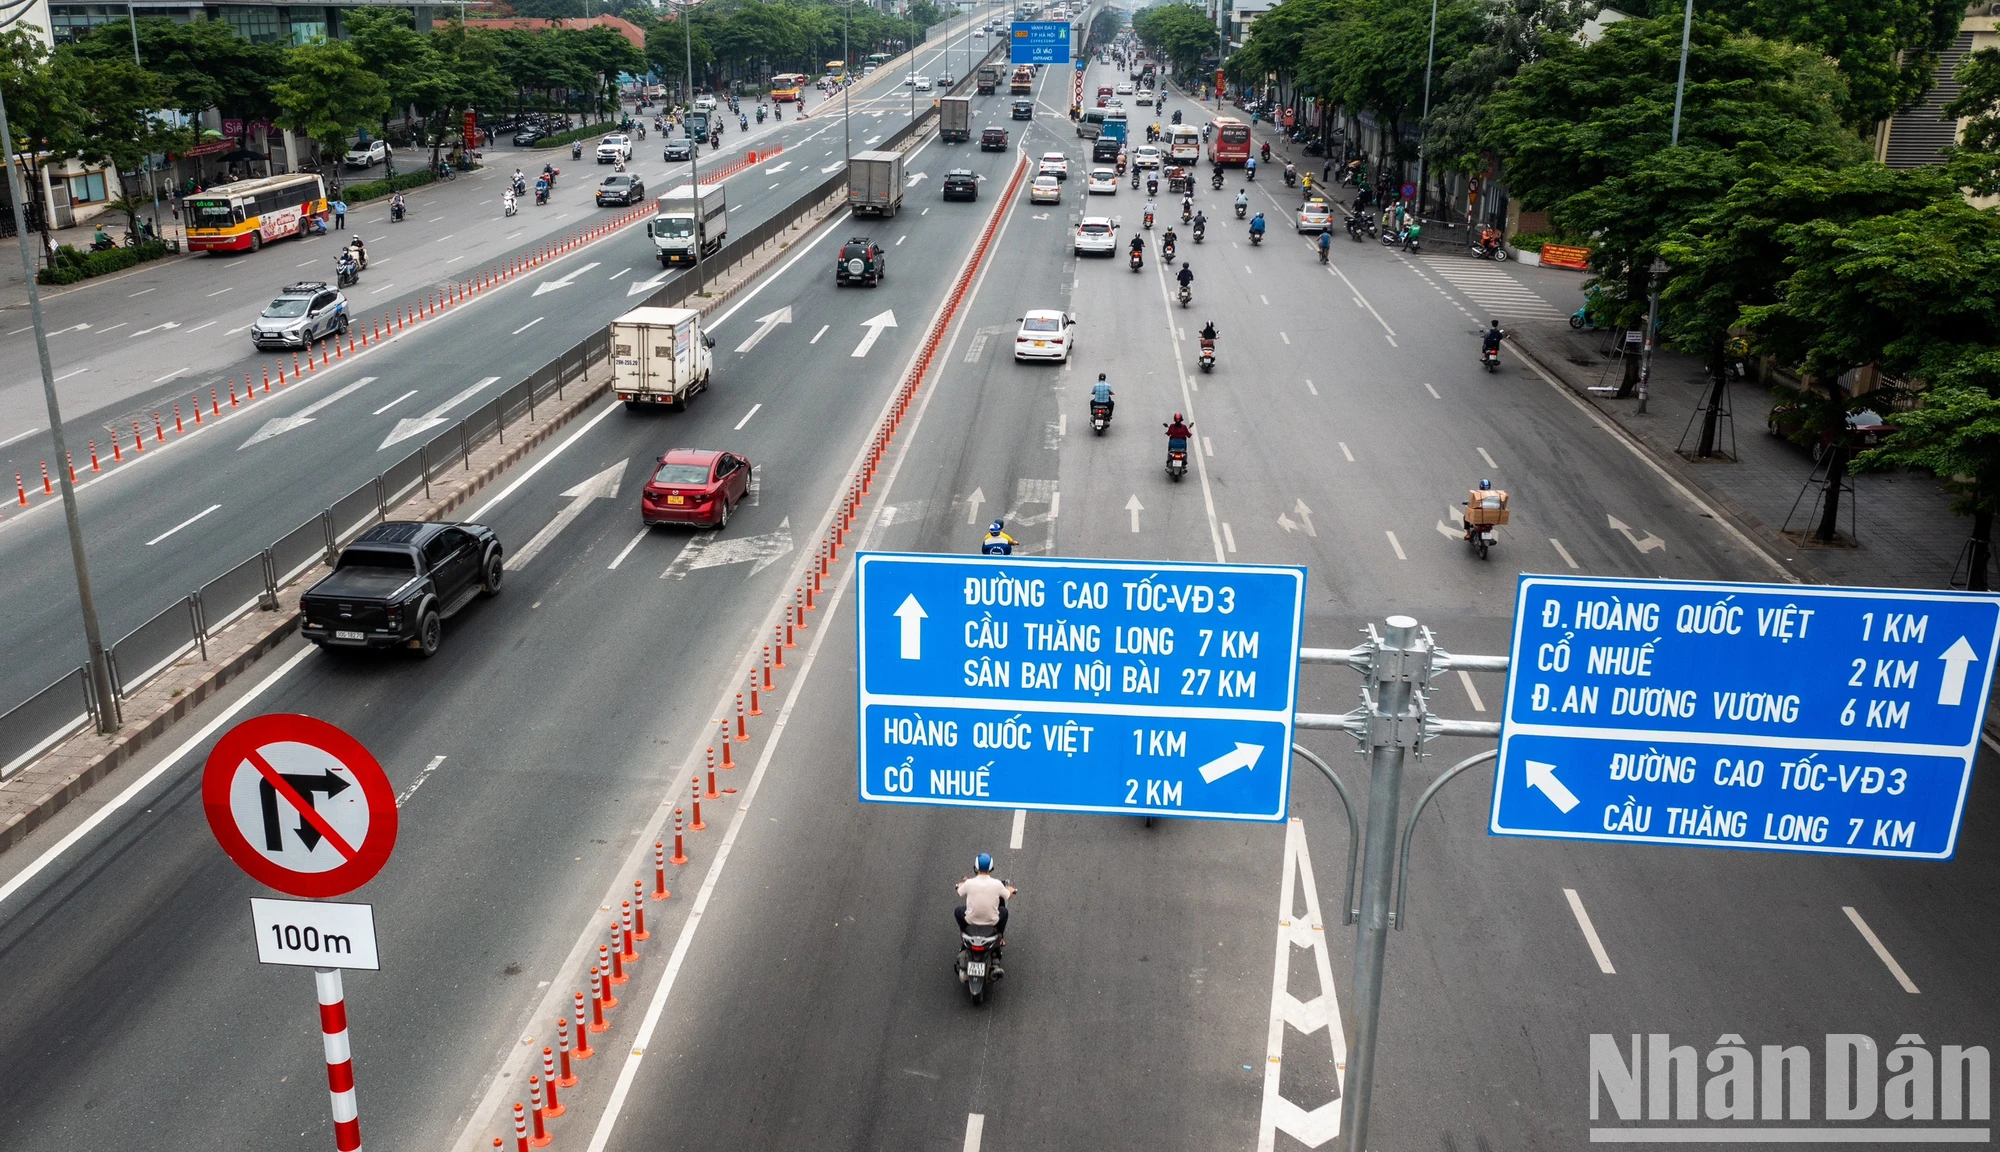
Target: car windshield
1041 324
617 181
381 558
674 226
286 306
681 474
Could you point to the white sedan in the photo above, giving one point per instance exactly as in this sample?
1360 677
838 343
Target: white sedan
1097 234
1045 190
1045 334
923 83
1315 216
1103 180
1054 164
1124 88
1146 156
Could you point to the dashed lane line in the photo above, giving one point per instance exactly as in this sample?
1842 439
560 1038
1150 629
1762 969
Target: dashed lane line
1881 953
1590 932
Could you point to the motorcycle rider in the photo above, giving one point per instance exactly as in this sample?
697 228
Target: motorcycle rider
1257 224
1499 499
575 151
1200 224
345 268
997 542
396 206
519 182
507 202
1242 202
1489 239
360 251
1178 432
1100 393
1266 155
549 174
1208 333
1186 277
1138 247
1250 168
985 899
1489 343
1149 212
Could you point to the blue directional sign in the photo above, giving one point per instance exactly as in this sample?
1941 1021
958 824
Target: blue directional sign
1078 685
1772 716
1040 42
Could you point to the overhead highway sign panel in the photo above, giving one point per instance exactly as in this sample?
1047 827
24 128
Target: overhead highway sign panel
1078 685
1040 42
1772 716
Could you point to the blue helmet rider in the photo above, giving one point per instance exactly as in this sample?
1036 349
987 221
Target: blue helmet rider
997 542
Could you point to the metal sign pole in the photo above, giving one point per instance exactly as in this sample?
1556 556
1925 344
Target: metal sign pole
1399 668
339 1060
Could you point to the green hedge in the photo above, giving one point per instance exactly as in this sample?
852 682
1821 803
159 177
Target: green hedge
584 133
74 264
376 189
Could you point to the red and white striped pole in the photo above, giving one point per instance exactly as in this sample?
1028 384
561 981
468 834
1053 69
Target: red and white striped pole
339 1060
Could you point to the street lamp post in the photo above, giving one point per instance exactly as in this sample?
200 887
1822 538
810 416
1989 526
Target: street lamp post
1430 56
1654 272
100 668
686 8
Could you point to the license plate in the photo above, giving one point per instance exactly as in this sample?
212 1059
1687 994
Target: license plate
676 499
1041 343
976 968
348 636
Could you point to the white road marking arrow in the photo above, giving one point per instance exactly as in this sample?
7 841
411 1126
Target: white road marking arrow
764 326
647 285
564 282
603 486
304 416
167 327
1647 544
1244 756
1305 514
1287 523
832 167
1957 659
417 425
1134 507
777 168
1039 216
874 324
708 550
973 502
914 179
1543 776
912 615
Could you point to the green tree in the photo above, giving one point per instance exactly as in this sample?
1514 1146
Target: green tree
395 52
668 47
1910 292
1886 51
1975 162
329 94
1519 33
1371 56
1178 33
41 111
202 64
1587 135
121 126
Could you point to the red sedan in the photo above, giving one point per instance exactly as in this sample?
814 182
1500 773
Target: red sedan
692 486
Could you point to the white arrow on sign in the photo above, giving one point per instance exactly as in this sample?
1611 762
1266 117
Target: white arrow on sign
912 615
304 416
764 326
648 285
603 486
874 324
1543 776
709 551
1134 507
1957 659
1244 756
1647 544
418 425
1305 514
973 502
564 282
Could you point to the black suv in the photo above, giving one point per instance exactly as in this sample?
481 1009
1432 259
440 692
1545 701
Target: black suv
961 184
1024 109
993 139
860 262
621 189
395 584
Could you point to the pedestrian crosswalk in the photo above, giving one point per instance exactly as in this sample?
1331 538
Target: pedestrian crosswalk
1500 295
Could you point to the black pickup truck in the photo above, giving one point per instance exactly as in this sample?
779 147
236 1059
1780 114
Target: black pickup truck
396 583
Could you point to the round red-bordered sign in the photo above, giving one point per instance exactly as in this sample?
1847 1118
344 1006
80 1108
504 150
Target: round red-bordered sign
299 805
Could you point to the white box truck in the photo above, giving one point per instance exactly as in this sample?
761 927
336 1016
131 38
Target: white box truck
659 356
955 119
682 220
875 183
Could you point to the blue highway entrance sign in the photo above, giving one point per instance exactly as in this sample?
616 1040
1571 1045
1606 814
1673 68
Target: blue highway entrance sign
1078 685
1773 716
1039 42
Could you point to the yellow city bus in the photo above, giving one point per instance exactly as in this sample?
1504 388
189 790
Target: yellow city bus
785 87
247 214
837 69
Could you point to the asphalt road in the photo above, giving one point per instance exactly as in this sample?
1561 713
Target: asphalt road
161 525
813 1004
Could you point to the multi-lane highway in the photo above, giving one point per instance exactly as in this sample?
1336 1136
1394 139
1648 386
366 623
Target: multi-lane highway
162 524
812 1002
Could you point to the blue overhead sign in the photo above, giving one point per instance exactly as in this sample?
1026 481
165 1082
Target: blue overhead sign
1077 686
1773 716
1040 42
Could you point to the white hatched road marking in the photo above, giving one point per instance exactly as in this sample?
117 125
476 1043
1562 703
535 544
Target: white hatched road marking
1490 288
1307 930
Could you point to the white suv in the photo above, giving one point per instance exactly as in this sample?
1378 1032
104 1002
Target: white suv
614 148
